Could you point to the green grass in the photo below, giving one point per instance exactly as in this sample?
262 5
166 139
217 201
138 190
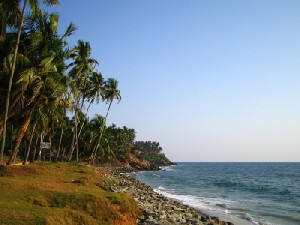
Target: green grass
61 193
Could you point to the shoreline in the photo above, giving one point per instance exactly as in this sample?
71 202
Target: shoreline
156 208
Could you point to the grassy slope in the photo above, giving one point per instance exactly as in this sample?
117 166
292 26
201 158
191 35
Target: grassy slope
61 193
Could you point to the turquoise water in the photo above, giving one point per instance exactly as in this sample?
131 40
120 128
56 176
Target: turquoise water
245 193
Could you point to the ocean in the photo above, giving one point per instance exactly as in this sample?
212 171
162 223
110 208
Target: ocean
242 193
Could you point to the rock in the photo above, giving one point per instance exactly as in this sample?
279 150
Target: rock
157 209
189 215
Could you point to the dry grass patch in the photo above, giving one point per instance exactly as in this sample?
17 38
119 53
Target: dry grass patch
61 193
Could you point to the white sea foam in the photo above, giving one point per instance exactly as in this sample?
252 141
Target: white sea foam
166 168
206 205
161 188
155 175
193 201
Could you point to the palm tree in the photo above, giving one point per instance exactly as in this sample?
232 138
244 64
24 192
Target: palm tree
9 14
45 90
40 86
82 66
94 91
111 92
34 6
29 144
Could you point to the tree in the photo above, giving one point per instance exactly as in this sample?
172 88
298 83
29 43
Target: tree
94 91
111 92
34 6
9 14
40 85
82 66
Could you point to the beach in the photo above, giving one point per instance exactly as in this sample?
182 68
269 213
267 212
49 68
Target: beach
156 208
242 193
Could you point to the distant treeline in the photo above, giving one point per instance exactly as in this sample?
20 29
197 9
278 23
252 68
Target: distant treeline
152 152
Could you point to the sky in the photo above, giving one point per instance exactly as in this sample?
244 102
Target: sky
210 80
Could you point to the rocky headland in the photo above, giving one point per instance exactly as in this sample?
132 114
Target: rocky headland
157 209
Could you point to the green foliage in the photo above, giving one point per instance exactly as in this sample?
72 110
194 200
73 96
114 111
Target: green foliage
53 82
152 152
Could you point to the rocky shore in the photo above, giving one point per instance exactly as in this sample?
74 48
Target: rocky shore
157 209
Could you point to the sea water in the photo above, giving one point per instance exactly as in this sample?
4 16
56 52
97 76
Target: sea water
243 193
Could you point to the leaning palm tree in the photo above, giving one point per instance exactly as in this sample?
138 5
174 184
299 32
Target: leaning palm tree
44 89
94 91
81 67
39 85
111 92
34 5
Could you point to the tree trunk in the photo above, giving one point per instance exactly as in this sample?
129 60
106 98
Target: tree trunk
93 156
10 83
34 151
83 122
76 136
20 136
63 154
59 145
1 129
50 150
29 145
40 149
72 147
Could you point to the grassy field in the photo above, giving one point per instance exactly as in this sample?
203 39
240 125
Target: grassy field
61 193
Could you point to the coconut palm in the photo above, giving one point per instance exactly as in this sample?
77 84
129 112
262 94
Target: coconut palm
94 91
9 14
81 67
40 84
34 5
110 94
45 90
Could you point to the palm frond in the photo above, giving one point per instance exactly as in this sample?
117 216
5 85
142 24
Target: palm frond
27 76
69 31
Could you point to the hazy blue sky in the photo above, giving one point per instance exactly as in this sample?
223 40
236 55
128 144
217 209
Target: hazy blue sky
211 80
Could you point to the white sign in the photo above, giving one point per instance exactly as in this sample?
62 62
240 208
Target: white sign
45 144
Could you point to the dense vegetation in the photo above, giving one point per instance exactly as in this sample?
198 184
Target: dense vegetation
46 90
152 152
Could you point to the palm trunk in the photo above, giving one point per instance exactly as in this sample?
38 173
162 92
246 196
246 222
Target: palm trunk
82 124
1 129
35 147
72 147
76 135
76 130
63 154
10 82
20 136
50 150
93 156
59 145
40 149
29 145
